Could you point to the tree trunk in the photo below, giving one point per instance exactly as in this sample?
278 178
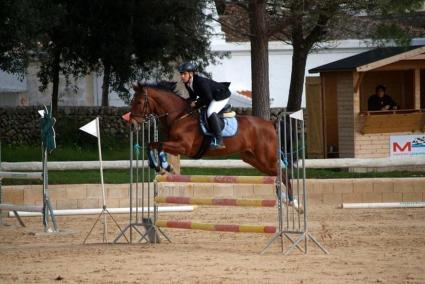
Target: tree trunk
259 59
55 81
299 61
105 85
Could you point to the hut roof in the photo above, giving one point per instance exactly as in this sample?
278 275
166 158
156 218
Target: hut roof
368 57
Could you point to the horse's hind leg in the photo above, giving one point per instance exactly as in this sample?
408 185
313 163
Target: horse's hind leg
269 168
287 181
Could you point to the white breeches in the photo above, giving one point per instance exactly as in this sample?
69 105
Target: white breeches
216 106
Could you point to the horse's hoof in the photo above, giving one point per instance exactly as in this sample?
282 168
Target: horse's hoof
170 170
298 207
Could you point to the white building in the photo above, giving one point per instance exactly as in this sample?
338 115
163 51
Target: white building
237 68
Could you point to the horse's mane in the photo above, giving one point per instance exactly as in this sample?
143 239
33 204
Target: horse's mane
169 86
161 85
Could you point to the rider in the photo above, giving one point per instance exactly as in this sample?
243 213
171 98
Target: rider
206 92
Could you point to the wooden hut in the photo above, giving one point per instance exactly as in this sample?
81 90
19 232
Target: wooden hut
340 124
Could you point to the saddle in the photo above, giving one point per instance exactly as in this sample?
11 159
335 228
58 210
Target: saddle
228 125
229 128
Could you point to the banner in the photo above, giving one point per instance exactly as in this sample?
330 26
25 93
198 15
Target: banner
407 145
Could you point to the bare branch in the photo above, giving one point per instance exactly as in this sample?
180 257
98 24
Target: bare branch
242 4
280 26
234 30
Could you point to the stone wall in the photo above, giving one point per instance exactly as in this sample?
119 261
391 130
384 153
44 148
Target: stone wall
20 125
320 192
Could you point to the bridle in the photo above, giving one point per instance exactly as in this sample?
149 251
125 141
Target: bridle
147 114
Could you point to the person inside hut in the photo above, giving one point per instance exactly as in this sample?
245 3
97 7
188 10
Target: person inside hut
381 100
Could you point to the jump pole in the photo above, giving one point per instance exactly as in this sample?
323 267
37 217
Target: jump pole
216 227
217 179
216 201
381 205
34 211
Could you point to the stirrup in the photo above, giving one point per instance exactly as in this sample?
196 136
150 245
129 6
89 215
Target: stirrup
217 146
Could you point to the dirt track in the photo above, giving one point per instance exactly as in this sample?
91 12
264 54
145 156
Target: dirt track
367 246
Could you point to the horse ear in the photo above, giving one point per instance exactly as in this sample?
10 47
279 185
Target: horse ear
137 87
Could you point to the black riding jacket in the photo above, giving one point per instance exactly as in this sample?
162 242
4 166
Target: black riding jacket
205 90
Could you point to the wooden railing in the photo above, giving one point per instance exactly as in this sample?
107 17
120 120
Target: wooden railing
393 121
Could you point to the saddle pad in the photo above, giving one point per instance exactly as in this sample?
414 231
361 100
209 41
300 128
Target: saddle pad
230 127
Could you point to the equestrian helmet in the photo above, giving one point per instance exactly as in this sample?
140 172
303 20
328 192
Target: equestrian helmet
186 67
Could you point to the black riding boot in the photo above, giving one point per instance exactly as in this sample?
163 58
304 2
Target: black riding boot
214 122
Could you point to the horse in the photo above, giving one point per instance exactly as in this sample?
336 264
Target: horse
255 141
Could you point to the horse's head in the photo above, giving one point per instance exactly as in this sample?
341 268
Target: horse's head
141 105
158 99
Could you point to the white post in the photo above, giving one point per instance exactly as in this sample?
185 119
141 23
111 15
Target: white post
100 162
105 226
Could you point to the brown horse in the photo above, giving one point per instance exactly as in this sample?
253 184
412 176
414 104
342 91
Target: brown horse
256 139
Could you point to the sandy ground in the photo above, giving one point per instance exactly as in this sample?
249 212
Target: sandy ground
366 246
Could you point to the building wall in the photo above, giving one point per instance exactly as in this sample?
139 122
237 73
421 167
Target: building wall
84 91
237 67
79 92
372 145
345 115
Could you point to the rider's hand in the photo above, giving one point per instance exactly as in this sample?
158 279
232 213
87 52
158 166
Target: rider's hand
193 104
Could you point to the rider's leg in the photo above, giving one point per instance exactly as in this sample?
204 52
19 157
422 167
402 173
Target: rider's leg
214 122
216 106
213 109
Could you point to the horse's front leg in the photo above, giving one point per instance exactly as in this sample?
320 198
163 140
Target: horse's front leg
171 147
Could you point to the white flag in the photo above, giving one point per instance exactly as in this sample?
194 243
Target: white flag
297 115
41 112
91 127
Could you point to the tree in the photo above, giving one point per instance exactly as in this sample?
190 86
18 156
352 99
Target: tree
130 40
169 31
251 19
59 47
317 21
126 40
15 35
306 25
259 39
